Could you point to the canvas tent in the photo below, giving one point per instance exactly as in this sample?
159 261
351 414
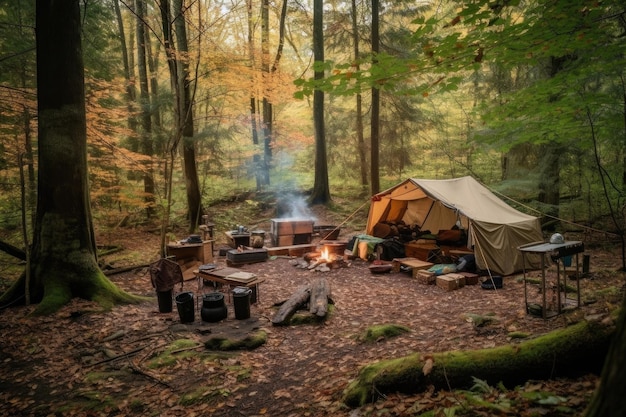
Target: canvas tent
494 228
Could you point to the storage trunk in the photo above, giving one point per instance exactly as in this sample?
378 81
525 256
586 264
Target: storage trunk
249 256
286 232
421 251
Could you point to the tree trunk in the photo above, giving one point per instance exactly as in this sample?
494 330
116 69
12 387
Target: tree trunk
549 184
64 263
321 191
360 141
146 118
375 116
572 351
265 102
609 400
192 184
254 117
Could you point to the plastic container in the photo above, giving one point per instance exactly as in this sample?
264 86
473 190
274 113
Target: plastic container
165 301
185 307
241 302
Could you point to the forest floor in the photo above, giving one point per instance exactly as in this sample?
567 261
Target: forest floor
133 360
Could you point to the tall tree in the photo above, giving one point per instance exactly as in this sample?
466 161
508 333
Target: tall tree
360 142
185 114
321 190
254 117
147 146
64 262
375 115
267 111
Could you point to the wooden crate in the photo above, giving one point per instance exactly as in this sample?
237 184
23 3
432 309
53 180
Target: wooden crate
447 283
281 227
470 278
289 240
460 279
421 251
426 277
248 256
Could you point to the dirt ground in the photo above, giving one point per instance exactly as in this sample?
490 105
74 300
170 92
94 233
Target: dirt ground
133 360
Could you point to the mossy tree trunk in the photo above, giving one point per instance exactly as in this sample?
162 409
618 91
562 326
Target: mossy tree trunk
63 263
609 399
571 351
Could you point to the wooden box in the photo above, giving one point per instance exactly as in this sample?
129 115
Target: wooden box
235 257
470 278
289 240
287 232
447 283
421 251
426 277
282 227
460 279
202 252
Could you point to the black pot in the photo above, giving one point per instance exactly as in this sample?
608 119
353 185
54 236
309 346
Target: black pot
213 307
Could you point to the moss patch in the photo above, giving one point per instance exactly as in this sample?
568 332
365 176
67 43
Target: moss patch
249 342
382 331
179 349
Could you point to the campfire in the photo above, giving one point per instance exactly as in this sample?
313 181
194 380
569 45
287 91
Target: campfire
330 256
327 259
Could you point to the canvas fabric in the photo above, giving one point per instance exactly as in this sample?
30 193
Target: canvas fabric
495 229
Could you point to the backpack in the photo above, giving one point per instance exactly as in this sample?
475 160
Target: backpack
390 249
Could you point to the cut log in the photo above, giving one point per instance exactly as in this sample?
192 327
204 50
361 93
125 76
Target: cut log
287 310
318 304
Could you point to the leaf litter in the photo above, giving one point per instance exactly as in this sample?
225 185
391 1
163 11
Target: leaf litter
85 362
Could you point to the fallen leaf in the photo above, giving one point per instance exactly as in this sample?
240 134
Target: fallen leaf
428 366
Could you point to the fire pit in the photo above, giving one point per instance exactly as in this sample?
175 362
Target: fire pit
325 260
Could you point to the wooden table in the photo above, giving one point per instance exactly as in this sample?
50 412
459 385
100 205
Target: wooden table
226 276
413 263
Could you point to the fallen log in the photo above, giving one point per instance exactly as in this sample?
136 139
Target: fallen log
12 250
318 304
293 303
569 352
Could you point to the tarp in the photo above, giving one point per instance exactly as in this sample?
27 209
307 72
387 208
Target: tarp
495 229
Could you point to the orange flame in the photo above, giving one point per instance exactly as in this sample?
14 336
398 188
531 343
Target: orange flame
325 254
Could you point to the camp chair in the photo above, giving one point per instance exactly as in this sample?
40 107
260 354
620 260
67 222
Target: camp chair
165 274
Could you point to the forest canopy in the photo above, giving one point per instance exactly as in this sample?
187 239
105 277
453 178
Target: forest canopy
526 96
